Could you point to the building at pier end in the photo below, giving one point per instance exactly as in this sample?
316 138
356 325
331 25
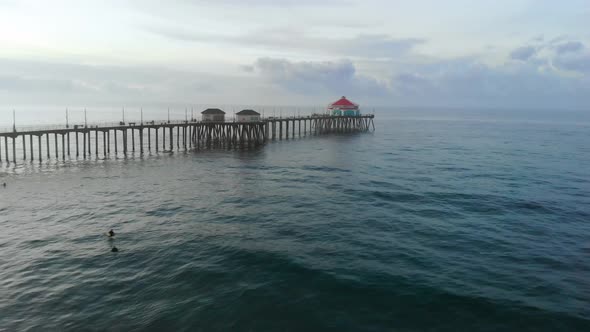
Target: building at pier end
344 107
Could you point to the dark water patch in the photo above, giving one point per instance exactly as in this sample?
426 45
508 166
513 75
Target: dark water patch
391 184
402 197
325 169
453 169
531 206
38 243
475 203
165 211
382 196
438 213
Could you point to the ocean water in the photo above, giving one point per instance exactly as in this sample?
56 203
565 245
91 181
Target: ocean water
437 221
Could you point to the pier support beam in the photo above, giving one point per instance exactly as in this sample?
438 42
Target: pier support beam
14 149
24 148
125 141
141 140
56 147
40 149
287 129
32 150
89 133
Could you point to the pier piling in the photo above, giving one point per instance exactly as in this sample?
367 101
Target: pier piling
141 141
40 152
32 150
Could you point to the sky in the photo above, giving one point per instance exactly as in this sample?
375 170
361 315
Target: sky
454 53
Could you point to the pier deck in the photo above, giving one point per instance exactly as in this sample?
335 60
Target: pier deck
102 140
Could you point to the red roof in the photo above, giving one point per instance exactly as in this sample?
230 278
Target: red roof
344 103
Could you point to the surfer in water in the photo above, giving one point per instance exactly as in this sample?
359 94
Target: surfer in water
111 233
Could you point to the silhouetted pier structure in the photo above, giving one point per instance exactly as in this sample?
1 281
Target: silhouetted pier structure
129 138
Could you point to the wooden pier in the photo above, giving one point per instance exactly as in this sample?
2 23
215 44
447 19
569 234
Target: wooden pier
87 142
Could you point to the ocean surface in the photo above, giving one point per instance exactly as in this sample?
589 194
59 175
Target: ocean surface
438 221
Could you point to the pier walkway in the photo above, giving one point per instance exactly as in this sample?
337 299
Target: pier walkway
104 140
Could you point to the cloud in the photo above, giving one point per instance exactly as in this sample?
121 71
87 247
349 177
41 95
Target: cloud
247 68
181 34
377 45
298 41
574 62
457 82
17 83
559 53
38 82
328 77
523 53
569 46
543 76
468 82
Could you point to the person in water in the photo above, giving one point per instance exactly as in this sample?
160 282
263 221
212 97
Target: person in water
111 233
114 249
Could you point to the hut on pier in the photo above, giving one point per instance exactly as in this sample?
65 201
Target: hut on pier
344 107
213 114
248 116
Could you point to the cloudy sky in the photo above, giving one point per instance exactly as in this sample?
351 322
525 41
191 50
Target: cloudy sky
454 53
